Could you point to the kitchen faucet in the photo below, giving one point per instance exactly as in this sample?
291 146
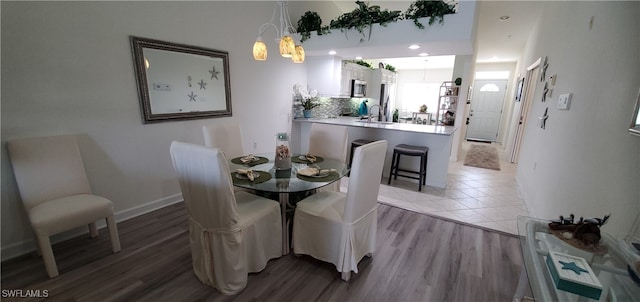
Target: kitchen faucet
380 113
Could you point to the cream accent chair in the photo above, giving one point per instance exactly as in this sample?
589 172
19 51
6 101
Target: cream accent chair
329 141
228 138
341 228
231 234
56 193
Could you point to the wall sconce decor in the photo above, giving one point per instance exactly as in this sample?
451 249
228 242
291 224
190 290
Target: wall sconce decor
287 46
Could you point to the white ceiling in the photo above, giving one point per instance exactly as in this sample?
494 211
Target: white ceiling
506 39
497 40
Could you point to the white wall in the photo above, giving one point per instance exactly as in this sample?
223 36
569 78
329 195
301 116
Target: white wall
585 162
463 68
67 67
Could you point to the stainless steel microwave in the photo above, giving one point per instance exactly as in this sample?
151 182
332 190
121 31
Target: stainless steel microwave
358 88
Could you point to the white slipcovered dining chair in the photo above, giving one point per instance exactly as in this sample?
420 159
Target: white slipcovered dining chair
341 228
55 191
329 141
231 234
228 138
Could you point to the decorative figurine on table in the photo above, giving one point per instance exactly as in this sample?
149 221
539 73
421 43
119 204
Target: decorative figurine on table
586 231
283 155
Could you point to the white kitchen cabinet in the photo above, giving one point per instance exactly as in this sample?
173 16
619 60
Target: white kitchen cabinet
353 71
325 74
356 71
378 77
332 77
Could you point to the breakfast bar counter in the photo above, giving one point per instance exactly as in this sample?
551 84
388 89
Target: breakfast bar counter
438 138
407 127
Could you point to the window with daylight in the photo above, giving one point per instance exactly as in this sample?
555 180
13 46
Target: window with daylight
489 88
416 94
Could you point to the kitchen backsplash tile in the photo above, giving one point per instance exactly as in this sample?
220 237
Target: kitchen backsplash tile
331 107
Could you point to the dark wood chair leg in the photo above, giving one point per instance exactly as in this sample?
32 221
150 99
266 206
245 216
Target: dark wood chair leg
393 158
397 166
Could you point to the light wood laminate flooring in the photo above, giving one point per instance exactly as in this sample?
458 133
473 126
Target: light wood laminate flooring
418 258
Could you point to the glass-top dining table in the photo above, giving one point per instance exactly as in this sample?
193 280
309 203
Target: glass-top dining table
286 186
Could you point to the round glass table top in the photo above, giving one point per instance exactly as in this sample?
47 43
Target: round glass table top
287 181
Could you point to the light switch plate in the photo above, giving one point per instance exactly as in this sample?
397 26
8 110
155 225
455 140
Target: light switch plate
161 86
564 100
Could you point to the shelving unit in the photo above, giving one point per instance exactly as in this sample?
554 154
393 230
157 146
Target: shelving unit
447 102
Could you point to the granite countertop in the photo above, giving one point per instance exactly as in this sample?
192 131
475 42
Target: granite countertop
356 122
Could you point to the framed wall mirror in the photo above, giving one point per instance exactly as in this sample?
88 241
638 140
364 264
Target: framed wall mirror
634 128
178 82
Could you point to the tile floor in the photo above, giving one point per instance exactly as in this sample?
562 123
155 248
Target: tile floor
477 196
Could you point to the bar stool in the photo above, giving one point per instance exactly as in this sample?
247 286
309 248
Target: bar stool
355 144
410 150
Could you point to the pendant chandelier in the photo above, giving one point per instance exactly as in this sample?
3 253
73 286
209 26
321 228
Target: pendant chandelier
288 48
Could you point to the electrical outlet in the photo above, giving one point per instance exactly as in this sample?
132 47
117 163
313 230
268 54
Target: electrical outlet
564 100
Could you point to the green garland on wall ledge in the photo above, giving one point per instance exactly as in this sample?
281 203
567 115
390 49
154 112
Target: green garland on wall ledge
363 17
389 67
309 22
361 63
435 10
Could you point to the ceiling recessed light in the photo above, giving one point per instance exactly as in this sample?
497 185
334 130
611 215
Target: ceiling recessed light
504 18
423 54
358 58
414 46
332 52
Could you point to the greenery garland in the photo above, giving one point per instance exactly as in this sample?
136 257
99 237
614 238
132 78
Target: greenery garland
361 63
309 22
389 67
364 16
435 10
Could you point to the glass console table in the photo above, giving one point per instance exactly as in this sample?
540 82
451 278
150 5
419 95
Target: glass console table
607 262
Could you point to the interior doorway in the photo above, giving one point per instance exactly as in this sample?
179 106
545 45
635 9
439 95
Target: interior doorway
486 110
521 111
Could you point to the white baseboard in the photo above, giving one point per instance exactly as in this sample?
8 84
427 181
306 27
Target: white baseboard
26 246
524 195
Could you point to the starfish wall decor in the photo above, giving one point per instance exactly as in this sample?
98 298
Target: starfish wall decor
214 73
202 84
192 97
543 118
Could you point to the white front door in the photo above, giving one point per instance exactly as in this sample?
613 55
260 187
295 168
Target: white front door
486 109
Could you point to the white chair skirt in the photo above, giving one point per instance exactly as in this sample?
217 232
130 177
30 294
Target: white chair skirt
222 258
318 222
